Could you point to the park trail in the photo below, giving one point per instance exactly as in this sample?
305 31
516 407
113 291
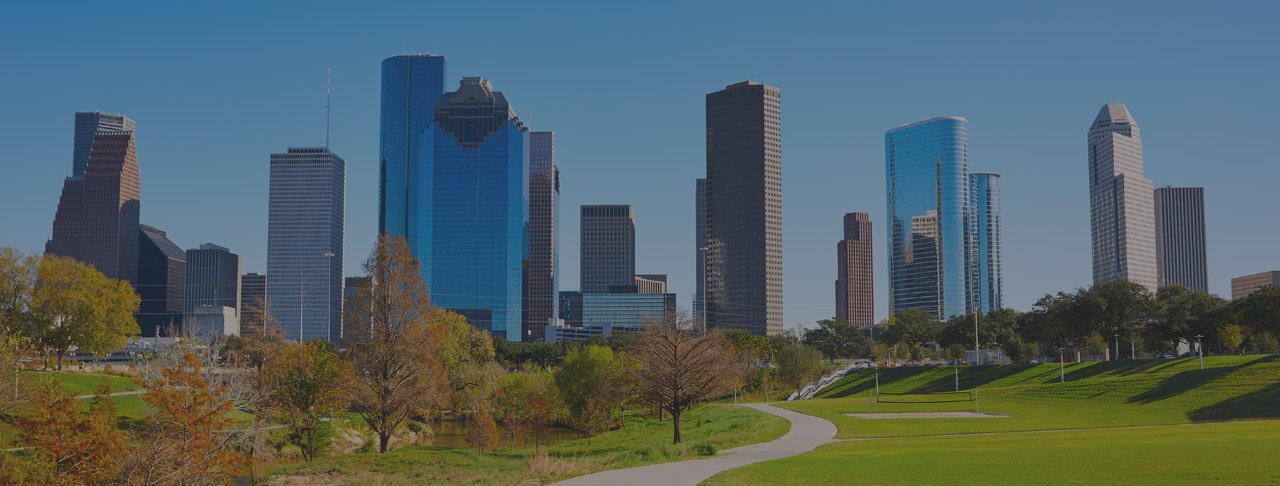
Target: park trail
807 432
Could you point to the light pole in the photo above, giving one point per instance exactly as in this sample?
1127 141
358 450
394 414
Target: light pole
328 304
1200 348
1062 367
302 292
1117 346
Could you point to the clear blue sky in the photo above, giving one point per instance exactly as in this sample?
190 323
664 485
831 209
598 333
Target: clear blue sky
217 86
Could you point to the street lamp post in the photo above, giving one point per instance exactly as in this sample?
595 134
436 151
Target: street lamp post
302 303
1062 367
328 305
1200 348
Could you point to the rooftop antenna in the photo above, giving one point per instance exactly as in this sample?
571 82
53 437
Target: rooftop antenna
328 95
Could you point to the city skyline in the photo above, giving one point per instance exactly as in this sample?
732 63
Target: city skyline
1033 139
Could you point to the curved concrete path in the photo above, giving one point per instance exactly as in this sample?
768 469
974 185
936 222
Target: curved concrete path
807 432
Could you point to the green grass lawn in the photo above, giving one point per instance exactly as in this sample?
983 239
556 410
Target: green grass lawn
1236 452
641 441
82 383
1143 392
1192 426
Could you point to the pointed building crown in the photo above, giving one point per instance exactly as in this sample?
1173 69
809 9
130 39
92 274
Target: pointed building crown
1113 114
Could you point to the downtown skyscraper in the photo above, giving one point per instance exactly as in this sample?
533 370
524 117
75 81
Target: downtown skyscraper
97 218
305 226
927 172
1121 206
542 284
472 207
162 283
607 248
987 272
744 209
411 85
1181 254
855 285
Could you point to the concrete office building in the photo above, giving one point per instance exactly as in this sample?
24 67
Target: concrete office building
986 281
607 247
855 285
213 320
651 283
1121 210
1181 253
306 213
542 275
927 174
744 209
1243 286
97 217
162 282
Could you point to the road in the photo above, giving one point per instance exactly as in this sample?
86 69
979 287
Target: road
807 432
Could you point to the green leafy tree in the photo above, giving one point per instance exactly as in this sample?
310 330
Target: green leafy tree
797 363
912 327
308 383
1260 310
837 338
595 385
73 304
1183 313
1232 337
528 403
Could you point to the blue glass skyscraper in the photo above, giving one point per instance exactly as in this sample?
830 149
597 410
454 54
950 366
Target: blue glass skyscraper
411 85
927 171
984 235
473 208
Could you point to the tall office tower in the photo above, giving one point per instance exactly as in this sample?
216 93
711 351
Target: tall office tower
700 247
927 172
162 282
306 213
542 277
472 243
607 247
213 278
1121 212
1241 287
97 218
986 282
855 285
1181 256
411 85
89 124
744 208
253 300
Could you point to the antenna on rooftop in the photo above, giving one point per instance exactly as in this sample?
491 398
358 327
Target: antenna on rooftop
328 95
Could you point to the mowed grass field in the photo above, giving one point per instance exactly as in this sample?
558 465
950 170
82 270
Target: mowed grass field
1143 422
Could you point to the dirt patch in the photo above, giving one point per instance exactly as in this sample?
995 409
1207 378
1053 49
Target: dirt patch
925 415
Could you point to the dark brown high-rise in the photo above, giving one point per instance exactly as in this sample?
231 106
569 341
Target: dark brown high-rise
855 297
541 285
97 218
744 209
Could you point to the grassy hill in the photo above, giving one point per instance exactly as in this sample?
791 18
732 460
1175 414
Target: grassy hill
1150 421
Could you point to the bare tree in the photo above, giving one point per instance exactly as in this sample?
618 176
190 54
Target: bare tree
680 365
393 354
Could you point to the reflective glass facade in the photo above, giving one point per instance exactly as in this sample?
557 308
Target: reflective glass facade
984 232
625 309
927 171
411 85
471 238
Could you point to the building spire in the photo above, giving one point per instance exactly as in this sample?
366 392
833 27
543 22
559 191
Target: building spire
328 96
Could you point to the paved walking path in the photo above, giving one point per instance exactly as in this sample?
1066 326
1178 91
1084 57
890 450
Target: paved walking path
807 432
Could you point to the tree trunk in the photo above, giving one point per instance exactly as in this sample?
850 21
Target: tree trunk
383 440
60 360
676 416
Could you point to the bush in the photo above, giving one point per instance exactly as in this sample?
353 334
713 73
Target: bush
703 449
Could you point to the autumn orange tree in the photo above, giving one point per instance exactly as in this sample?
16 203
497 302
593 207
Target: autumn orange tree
307 383
189 441
395 361
67 446
679 365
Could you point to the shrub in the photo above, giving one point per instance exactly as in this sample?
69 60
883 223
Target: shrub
703 449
